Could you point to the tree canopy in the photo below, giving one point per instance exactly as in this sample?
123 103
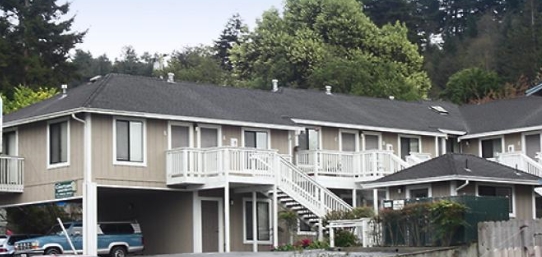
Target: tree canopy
313 40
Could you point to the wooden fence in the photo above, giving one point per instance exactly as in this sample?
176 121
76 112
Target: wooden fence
522 238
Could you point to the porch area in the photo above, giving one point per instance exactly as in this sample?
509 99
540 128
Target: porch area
11 174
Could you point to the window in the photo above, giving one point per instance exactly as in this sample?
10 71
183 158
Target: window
209 137
129 141
263 221
418 191
503 191
58 143
256 139
408 145
532 145
491 147
372 142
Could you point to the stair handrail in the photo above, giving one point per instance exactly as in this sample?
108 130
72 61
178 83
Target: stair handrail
326 193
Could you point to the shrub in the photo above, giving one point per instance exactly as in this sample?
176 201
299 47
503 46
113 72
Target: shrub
345 238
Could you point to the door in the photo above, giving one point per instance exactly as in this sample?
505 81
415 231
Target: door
209 225
532 145
409 145
209 137
180 136
371 142
8 172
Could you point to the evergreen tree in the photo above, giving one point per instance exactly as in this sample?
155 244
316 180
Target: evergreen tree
38 39
232 35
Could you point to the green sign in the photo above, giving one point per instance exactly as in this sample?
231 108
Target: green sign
65 189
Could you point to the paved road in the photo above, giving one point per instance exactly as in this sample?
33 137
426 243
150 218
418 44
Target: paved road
314 253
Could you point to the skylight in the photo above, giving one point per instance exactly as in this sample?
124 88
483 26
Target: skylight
439 109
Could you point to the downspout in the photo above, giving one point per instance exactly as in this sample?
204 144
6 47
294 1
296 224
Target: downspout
462 186
90 204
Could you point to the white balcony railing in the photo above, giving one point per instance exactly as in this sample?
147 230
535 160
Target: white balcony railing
193 163
371 163
520 161
11 174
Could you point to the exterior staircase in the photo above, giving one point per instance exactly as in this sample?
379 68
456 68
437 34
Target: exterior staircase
299 192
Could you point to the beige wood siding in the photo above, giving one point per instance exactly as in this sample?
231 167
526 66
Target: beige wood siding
524 202
330 138
39 180
470 146
390 139
105 173
166 224
397 193
440 189
229 132
514 140
428 145
279 141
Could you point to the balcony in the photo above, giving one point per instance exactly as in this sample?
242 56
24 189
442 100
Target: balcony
186 166
11 174
521 161
362 166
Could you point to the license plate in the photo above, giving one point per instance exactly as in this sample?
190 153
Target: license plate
24 255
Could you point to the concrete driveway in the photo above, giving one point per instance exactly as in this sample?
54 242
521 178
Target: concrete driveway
308 253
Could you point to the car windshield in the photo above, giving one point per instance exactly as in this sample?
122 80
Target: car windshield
57 230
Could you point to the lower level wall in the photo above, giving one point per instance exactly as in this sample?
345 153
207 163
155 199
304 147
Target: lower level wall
165 217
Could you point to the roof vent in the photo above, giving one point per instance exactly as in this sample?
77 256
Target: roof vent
391 97
171 77
328 90
64 90
275 85
439 109
95 78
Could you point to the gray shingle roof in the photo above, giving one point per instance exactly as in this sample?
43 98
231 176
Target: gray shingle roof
117 92
459 165
503 114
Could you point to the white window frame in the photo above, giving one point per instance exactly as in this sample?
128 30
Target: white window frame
503 148
268 131
144 150
16 140
408 136
245 241
420 186
218 136
514 200
48 135
181 124
523 140
356 138
363 143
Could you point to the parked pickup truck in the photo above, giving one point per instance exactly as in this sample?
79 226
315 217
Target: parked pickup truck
115 239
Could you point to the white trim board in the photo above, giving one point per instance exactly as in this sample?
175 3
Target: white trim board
365 127
447 178
152 116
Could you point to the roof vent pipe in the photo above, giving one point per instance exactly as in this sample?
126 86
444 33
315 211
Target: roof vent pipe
275 85
64 90
171 77
328 90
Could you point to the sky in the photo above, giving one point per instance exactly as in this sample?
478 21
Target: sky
158 26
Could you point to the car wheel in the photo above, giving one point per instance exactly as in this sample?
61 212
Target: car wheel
118 251
52 251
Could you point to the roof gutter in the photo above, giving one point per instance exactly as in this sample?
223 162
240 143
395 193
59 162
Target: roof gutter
373 185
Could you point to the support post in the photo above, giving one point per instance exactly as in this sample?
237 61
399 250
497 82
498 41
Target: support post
275 217
254 223
227 217
90 192
320 230
354 198
375 201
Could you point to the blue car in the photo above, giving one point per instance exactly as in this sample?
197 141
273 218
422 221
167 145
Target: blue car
115 239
